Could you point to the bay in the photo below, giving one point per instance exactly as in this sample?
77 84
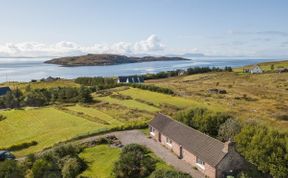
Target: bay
26 69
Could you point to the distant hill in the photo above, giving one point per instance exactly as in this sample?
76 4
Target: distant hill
106 59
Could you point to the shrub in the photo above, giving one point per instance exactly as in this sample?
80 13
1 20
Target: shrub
10 169
22 146
228 130
203 120
168 174
134 162
2 117
265 148
43 169
72 167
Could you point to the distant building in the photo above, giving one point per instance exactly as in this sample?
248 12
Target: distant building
4 90
49 79
6 155
130 79
256 69
212 157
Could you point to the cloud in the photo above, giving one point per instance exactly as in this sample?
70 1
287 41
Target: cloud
66 48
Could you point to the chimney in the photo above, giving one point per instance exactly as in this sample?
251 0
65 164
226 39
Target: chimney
228 146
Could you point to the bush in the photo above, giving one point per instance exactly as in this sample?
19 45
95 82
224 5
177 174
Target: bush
2 117
203 120
134 162
265 148
10 169
228 130
45 169
168 174
22 146
72 167
151 88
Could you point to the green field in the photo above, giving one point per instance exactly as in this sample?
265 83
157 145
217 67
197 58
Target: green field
47 126
133 104
160 99
100 160
95 113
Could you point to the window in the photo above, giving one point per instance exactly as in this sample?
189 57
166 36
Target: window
152 131
168 141
200 163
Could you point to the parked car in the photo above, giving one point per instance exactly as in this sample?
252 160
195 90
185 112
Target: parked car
6 155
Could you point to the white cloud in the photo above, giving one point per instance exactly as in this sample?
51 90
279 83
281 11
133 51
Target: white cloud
66 48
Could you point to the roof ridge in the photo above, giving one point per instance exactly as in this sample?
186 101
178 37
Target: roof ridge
168 117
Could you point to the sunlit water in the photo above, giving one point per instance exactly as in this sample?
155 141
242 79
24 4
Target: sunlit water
25 69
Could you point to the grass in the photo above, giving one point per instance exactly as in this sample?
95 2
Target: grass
95 113
133 104
160 99
39 85
100 160
266 66
263 97
47 126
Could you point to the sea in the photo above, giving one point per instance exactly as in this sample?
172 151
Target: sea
27 69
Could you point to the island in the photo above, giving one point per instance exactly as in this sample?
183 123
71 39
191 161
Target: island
107 59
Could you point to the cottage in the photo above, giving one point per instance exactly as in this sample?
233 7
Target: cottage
256 69
4 90
212 157
6 155
130 79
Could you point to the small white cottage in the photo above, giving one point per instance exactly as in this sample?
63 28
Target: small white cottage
256 69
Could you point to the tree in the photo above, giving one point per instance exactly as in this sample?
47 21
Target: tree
168 174
10 169
228 130
134 162
84 95
272 67
13 99
202 119
45 169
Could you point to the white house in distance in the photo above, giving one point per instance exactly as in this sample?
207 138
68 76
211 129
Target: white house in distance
256 69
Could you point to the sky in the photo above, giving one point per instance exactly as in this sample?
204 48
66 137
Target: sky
34 28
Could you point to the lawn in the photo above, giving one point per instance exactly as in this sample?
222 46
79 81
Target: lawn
47 126
100 160
129 103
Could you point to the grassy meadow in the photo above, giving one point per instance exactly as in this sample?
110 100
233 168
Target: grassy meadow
263 97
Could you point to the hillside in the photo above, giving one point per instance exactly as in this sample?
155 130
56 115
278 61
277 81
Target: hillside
249 96
106 59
